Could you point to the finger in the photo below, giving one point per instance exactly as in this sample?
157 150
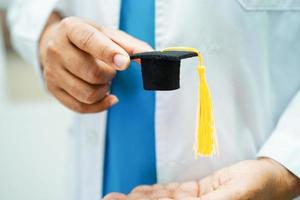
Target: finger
158 186
160 193
115 196
77 106
213 182
224 193
87 68
172 186
156 191
142 189
97 44
189 198
141 192
205 185
80 90
166 199
187 189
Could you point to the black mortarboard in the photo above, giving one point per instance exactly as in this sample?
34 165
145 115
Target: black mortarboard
161 69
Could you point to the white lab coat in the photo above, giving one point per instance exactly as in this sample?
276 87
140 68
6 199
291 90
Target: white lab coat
252 52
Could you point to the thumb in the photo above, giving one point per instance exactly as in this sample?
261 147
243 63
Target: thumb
131 44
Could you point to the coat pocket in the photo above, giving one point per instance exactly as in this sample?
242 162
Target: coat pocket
270 5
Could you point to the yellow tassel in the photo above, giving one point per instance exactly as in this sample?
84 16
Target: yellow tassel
205 139
206 144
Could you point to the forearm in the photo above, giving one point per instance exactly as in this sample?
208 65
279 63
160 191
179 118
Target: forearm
283 144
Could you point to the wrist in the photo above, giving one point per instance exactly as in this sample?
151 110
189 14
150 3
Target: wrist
285 182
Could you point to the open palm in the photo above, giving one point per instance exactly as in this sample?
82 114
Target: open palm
251 179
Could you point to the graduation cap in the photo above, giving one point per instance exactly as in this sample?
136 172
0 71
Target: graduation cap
161 71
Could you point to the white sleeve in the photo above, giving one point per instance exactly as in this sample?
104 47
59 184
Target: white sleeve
284 143
26 19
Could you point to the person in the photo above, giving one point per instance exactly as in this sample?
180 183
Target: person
131 137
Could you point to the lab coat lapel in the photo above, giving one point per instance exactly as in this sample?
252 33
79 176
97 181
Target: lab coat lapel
88 142
88 138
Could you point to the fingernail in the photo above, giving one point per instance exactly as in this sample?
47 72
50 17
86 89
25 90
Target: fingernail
120 61
114 100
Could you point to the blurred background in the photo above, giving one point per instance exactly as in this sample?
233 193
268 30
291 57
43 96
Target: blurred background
33 130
